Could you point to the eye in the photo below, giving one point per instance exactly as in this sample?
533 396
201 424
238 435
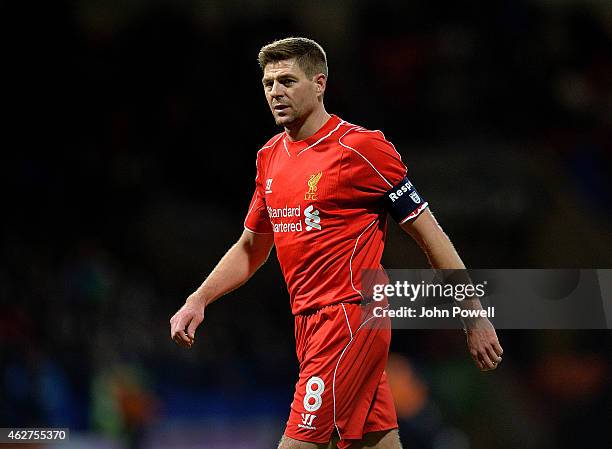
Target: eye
288 82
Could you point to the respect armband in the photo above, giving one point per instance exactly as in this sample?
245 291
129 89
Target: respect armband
403 201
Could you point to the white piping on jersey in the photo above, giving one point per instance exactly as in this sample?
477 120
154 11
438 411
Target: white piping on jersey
347 320
251 208
273 143
322 138
338 364
263 148
382 134
286 149
249 213
255 232
353 254
364 158
415 213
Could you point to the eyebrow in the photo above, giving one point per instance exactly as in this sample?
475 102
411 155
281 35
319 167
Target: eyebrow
280 78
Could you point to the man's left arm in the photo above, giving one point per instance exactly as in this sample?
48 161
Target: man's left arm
482 340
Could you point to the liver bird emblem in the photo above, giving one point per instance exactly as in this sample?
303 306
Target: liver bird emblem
312 186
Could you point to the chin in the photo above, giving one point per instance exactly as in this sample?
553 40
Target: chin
283 121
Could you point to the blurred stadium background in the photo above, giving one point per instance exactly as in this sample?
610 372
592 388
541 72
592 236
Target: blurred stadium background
129 162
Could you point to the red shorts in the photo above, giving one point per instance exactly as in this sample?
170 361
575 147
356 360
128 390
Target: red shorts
342 350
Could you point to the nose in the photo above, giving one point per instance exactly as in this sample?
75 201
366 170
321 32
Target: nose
277 90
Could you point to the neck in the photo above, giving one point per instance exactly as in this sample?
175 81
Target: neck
309 126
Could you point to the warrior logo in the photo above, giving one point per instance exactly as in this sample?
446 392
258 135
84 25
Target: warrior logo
307 419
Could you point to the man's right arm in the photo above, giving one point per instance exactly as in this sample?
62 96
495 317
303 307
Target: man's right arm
240 262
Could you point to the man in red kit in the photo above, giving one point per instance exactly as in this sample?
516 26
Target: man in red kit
322 193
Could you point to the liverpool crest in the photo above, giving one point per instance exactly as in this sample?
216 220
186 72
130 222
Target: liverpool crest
312 186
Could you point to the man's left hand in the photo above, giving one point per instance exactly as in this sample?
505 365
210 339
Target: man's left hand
483 344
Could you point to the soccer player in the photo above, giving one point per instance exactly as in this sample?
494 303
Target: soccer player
322 192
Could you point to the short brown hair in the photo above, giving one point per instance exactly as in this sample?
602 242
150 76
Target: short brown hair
309 55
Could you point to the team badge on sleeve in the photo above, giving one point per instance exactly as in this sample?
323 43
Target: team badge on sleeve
403 201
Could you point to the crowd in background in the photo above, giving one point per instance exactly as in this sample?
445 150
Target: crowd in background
130 163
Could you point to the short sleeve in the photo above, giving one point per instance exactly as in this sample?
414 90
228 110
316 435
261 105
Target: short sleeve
257 219
378 175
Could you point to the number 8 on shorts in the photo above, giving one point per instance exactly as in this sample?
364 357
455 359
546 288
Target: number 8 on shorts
314 389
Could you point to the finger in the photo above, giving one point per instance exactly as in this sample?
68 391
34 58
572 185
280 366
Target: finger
172 320
183 336
192 328
181 339
493 356
174 323
179 330
498 349
481 366
487 362
177 339
474 355
172 329
175 334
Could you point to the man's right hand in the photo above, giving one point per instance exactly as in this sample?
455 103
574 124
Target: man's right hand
185 322
233 270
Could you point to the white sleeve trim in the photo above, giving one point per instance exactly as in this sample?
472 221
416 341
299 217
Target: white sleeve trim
415 213
255 232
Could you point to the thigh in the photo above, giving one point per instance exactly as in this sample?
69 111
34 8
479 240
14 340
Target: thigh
290 443
386 439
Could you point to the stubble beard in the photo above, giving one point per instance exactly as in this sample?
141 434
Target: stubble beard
286 120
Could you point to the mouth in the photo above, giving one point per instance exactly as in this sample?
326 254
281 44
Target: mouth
280 107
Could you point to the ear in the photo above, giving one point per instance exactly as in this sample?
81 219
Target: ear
320 81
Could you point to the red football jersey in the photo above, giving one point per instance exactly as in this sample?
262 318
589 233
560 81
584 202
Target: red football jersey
322 199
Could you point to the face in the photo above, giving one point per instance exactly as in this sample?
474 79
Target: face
291 95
